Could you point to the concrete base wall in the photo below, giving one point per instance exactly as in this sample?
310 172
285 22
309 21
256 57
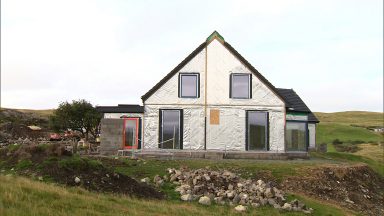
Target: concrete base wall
111 137
218 155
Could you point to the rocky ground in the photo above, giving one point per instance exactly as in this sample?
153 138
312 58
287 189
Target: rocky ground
224 187
354 187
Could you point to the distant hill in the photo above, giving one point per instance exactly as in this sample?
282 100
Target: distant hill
361 118
25 116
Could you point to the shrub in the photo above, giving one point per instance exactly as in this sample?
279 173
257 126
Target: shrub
24 164
78 163
337 142
357 142
13 147
346 148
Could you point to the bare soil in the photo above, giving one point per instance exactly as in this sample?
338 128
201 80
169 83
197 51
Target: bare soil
54 163
355 187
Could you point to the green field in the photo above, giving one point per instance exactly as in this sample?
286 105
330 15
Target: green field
348 126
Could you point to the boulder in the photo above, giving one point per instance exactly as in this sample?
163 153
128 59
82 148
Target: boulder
240 208
77 180
145 180
269 193
186 197
287 207
205 200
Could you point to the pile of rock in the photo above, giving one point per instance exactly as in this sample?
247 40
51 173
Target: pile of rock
225 187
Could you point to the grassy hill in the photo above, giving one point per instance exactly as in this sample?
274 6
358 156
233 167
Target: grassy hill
360 118
348 126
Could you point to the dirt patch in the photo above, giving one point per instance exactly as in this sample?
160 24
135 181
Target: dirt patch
93 176
355 187
52 162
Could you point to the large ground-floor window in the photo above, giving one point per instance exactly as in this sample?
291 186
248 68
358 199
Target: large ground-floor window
171 129
296 136
257 130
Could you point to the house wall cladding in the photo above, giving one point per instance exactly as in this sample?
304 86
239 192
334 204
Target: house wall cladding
119 115
111 138
230 133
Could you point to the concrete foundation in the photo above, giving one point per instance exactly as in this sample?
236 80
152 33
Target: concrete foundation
218 155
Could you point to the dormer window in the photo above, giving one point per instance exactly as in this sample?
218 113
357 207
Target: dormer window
240 86
189 85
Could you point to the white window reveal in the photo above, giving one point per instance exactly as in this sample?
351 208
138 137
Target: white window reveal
240 86
189 85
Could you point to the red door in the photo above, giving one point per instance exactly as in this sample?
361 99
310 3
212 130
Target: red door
131 133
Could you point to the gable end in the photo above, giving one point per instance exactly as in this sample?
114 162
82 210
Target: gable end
173 72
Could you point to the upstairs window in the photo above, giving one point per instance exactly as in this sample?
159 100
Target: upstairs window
240 86
189 85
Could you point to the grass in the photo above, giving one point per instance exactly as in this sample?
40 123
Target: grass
372 151
377 166
246 168
327 132
361 118
78 163
21 196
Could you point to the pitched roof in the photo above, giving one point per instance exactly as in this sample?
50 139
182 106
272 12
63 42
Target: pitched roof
214 35
295 104
121 108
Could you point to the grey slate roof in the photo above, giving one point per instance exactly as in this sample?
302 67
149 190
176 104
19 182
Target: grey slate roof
121 108
295 104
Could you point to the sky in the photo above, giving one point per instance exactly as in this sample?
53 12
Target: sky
113 52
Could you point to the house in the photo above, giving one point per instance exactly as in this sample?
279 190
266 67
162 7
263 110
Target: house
213 101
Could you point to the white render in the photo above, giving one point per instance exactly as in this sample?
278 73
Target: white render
312 135
230 133
119 115
296 117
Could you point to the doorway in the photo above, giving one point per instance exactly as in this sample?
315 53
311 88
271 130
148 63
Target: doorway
131 133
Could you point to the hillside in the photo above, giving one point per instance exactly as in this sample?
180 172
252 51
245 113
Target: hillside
25 116
361 118
349 126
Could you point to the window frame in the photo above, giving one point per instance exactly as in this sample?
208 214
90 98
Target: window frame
306 135
267 146
180 86
137 140
249 85
181 127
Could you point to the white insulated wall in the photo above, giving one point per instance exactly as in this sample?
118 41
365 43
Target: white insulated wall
230 133
119 115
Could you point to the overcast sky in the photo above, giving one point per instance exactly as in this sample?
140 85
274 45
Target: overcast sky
110 52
